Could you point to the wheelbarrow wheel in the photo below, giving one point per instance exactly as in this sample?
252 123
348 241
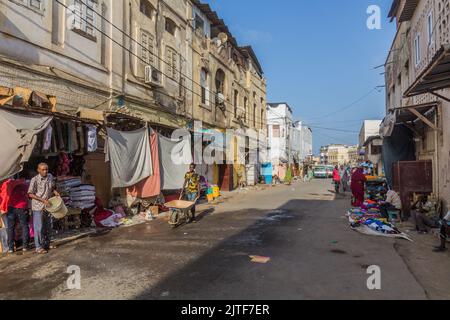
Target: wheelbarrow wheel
174 218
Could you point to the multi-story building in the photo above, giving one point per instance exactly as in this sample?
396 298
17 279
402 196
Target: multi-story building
369 129
167 62
280 130
418 82
339 154
301 142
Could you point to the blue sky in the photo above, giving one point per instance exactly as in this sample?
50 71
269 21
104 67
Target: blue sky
319 57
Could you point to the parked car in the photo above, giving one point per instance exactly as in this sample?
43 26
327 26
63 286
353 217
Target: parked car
323 172
320 172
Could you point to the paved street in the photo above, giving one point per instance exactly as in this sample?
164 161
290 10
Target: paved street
314 255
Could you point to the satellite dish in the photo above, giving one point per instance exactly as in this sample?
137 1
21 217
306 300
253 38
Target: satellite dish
223 37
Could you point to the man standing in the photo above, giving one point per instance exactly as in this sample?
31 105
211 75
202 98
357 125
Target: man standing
42 188
191 187
18 210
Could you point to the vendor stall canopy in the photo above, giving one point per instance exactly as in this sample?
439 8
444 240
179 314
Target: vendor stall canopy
19 133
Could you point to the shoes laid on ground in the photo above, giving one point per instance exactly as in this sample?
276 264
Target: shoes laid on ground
422 232
439 249
11 252
25 249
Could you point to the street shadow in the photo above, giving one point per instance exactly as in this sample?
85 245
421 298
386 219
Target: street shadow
228 264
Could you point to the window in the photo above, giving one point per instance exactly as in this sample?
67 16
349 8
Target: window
276 131
430 28
171 26
235 103
199 24
84 19
220 81
254 115
204 86
36 5
245 109
375 150
147 9
172 60
147 47
417 49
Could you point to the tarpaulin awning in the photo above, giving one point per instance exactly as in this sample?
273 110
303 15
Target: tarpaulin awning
19 135
130 156
435 77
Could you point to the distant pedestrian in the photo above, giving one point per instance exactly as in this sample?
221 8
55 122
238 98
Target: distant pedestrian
345 177
443 234
336 179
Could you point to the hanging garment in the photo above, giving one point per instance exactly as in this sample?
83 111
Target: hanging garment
19 134
59 135
130 157
81 139
63 165
151 186
91 138
73 138
47 139
176 157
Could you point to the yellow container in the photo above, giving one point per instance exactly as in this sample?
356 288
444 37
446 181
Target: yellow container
209 197
216 192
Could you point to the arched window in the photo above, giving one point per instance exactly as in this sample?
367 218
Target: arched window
220 81
147 8
171 26
245 109
235 103
204 86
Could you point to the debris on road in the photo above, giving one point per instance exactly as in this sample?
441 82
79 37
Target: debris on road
260 259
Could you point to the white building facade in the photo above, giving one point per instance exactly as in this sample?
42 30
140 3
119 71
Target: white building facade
280 131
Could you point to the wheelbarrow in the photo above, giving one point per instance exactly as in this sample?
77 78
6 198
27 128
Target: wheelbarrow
180 212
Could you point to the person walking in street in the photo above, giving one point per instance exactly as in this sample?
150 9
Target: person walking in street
191 188
18 211
42 188
358 187
336 179
343 172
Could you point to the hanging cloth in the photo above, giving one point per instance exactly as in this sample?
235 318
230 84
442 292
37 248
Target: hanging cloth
150 187
47 139
19 133
176 156
91 138
130 157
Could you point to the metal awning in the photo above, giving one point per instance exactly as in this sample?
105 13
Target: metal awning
435 77
411 114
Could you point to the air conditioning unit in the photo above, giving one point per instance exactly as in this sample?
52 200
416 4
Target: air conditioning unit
152 75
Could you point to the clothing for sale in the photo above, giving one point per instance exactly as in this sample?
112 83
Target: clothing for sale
130 157
91 138
63 164
81 139
19 137
447 216
43 188
150 187
59 135
47 139
175 160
